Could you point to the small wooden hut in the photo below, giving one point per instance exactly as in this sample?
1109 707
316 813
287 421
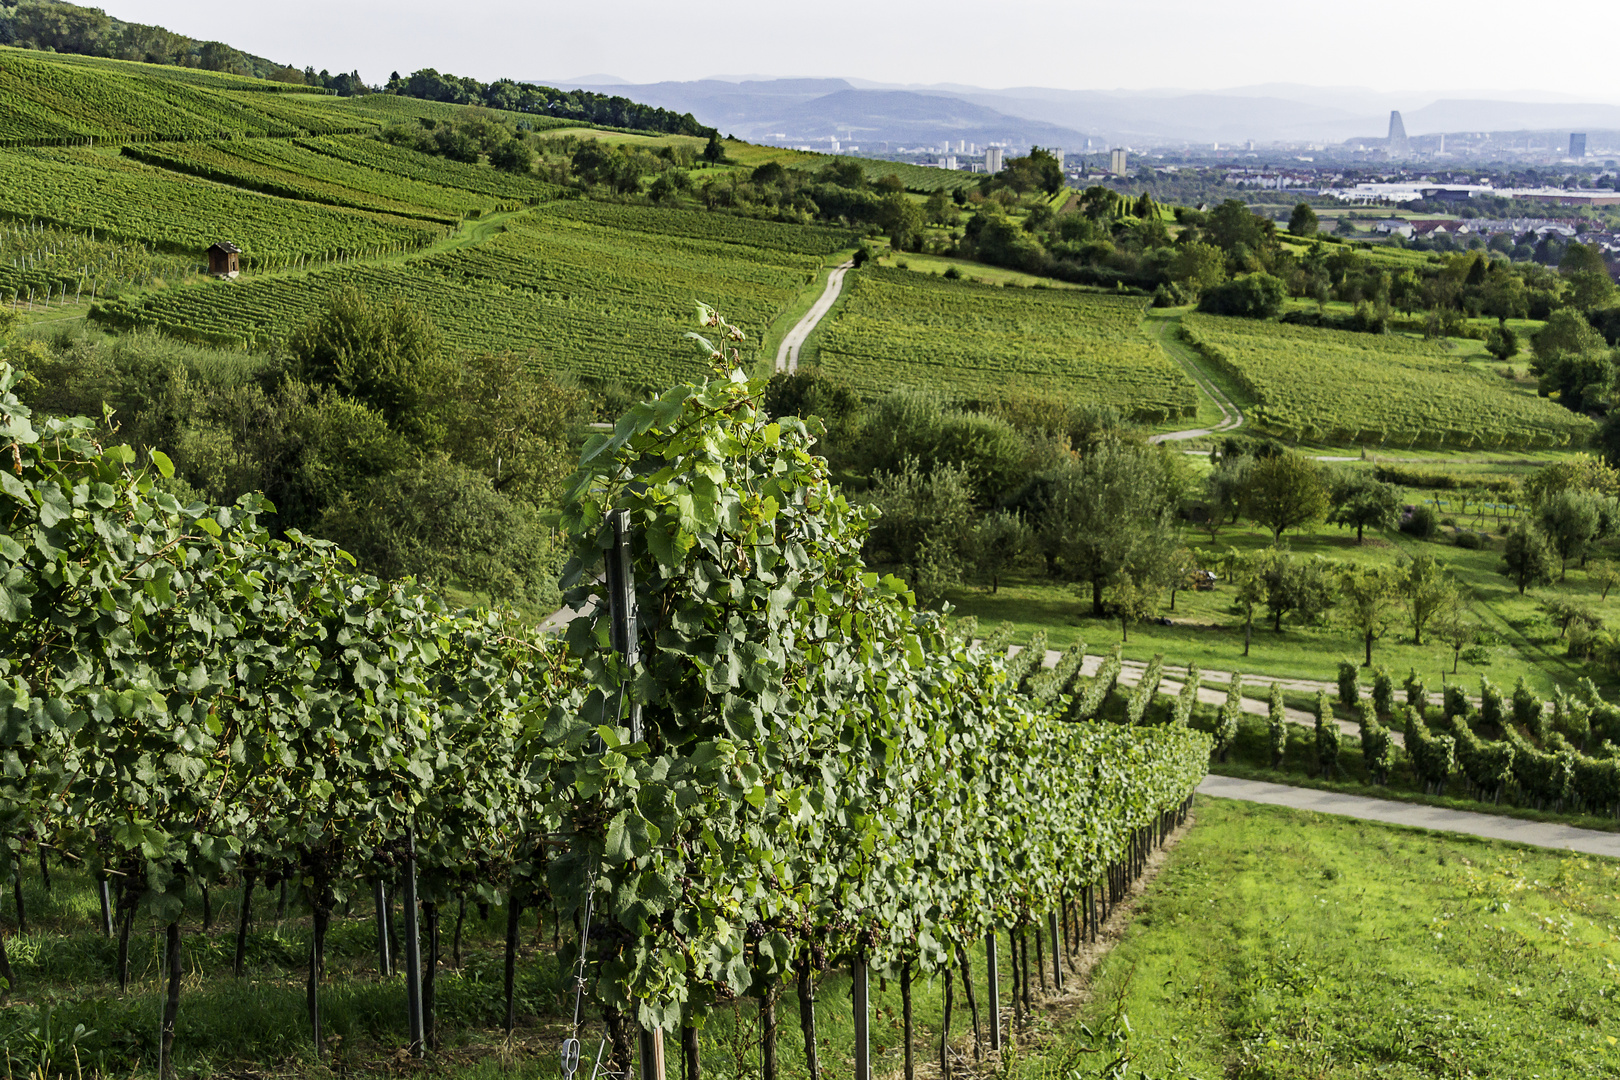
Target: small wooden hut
224 260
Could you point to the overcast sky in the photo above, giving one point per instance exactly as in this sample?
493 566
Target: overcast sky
1435 46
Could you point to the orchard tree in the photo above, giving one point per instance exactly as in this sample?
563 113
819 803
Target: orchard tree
903 220
1571 520
1302 222
1590 285
1112 512
1453 626
1133 602
1198 266
1360 501
1000 540
1604 574
926 527
1304 588
1428 588
1527 558
1246 570
1502 343
1285 492
1369 600
1181 571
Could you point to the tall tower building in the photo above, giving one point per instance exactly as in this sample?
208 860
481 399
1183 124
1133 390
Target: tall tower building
992 159
1116 161
1577 144
1396 143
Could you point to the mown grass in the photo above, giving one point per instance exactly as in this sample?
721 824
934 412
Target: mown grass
1280 943
1208 627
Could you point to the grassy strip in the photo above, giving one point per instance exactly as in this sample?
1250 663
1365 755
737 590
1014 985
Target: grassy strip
67 1001
1280 943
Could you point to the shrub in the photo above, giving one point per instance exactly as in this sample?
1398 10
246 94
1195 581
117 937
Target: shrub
1417 695
1383 691
1527 708
1249 296
1349 689
1471 540
1422 523
1327 737
1277 726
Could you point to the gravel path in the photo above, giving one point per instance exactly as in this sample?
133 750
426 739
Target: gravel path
1491 826
787 357
1179 353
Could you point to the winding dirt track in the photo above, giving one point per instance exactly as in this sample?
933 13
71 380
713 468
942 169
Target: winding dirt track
787 357
1164 332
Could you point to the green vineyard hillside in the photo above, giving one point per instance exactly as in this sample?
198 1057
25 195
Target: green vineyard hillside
907 329
595 289
1338 387
46 102
93 190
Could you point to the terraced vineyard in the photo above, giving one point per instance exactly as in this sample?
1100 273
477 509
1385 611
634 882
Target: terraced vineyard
118 198
604 291
504 187
275 167
43 102
1339 388
214 80
38 262
390 108
899 328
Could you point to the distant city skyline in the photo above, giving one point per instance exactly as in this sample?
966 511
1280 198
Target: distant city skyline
1387 47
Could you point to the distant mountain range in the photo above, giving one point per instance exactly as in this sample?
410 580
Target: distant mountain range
854 110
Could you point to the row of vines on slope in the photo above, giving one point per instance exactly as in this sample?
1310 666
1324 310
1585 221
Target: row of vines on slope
824 772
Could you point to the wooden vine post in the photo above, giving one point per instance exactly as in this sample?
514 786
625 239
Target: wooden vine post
621 590
861 999
993 978
1057 950
413 949
385 961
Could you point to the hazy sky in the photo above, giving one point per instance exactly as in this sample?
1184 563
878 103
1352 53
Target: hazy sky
1423 45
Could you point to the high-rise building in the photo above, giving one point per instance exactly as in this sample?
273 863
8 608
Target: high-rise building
1577 144
1396 144
992 159
1117 161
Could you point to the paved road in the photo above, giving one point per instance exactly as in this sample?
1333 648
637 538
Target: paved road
1491 826
787 357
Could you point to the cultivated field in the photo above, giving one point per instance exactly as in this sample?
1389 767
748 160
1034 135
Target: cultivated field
1339 388
898 328
113 196
595 289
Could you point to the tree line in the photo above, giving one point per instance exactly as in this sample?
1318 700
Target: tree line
610 110
50 25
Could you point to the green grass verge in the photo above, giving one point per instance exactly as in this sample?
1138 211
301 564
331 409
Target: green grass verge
1279 943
